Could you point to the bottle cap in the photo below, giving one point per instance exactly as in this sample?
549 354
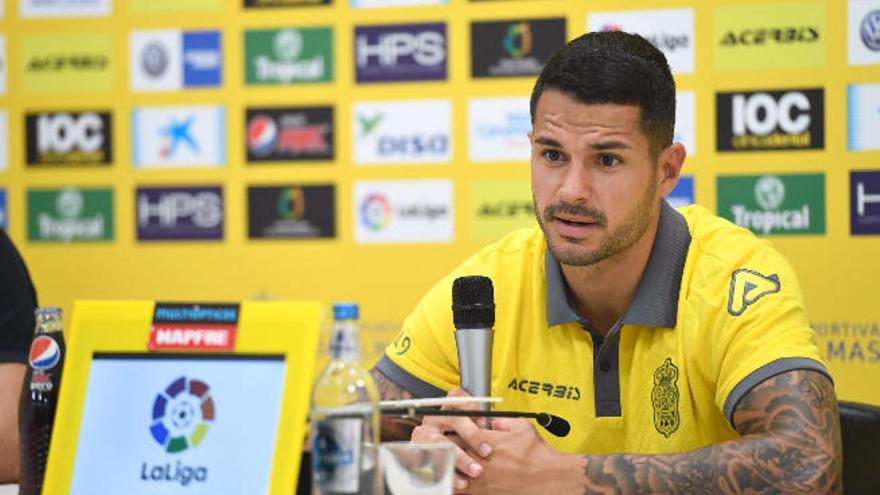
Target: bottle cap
345 311
47 312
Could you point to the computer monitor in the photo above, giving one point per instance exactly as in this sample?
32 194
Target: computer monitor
153 405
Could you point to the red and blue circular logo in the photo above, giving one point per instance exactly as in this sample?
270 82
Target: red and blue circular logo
262 133
45 353
181 414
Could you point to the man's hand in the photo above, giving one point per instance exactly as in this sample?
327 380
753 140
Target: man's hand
11 378
471 447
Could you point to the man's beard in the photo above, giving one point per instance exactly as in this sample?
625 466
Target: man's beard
624 236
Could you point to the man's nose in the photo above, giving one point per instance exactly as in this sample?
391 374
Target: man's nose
577 184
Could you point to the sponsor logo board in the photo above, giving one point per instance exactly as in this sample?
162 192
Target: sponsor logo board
284 3
4 140
70 214
514 48
774 204
4 210
498 129
200 327
289 134
288 56
685 131
365 4
863 32
292 212
400 52
670 30
773 35
165 6
3 63
66 63
863 117
64 8
403 211
172 60
415 131
191 136
69 138
179 213
500 206
864 194
683 193
771 120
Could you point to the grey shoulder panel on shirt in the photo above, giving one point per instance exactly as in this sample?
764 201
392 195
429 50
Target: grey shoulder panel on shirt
420 389
769 370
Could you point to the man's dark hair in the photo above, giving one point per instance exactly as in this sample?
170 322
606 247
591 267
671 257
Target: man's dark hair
615 67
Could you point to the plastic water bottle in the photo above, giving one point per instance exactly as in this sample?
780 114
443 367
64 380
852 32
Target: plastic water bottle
345 415
39 398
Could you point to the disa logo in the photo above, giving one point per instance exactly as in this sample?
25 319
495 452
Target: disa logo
181 415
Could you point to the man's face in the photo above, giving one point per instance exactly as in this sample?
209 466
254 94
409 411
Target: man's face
594 180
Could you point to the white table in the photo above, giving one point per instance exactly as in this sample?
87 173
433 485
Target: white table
8 489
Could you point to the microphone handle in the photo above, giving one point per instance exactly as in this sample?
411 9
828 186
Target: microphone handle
475 361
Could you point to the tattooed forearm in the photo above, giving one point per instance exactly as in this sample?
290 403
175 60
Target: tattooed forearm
790 444
393 428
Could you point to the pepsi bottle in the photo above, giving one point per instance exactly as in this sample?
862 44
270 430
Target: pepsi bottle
39 398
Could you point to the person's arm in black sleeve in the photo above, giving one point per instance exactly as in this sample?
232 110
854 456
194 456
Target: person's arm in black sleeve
17 305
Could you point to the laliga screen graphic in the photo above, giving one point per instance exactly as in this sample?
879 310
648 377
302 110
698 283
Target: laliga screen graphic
177 424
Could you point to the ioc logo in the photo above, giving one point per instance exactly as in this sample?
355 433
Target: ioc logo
760 113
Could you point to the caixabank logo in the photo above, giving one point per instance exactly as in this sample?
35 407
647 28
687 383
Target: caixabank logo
403 211
181 416
792 119
400 52
774 204
514 48
292 212
68 138
771 35
179 213
416 131
179 136
173 60
70 214
289 134
288 56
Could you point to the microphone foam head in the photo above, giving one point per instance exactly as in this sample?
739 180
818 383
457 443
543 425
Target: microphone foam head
473 302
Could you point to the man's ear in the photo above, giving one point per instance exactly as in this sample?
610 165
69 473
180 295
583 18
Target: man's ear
669 165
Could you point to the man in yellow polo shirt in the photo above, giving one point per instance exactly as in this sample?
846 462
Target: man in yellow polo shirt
674 342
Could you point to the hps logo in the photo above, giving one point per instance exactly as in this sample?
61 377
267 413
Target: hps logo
181 415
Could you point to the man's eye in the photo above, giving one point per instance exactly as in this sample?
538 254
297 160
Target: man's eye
608 160
552 155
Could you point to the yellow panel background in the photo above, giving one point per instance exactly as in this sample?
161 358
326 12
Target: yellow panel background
838 272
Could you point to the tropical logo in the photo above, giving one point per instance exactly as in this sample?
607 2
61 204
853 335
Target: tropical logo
376 212
45 353
181 415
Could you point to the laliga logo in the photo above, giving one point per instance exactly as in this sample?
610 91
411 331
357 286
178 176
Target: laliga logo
44 354
181 415
376 212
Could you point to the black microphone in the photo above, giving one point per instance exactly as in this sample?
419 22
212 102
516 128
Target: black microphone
473 314
550 422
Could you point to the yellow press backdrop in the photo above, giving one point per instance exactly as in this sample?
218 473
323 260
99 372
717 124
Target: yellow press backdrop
445 178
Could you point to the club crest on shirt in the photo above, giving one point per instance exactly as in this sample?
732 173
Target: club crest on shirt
747 286
664 398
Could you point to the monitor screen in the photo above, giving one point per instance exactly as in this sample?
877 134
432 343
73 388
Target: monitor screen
178 424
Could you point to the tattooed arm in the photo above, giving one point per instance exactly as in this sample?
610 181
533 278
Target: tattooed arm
790 444
393 428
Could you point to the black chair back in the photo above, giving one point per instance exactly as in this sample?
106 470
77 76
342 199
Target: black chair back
860 429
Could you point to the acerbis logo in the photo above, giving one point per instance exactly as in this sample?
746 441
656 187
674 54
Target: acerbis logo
376 212
763 36
181 415
45 353
771 120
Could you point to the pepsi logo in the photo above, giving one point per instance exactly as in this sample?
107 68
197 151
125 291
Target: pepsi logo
45 353
262 133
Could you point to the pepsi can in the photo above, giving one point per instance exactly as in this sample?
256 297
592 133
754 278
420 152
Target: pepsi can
39 399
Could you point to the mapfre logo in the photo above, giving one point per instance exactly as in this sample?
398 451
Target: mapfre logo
863 32
417 131
403 52
68 138
790 34
403 211
771 120
670 30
